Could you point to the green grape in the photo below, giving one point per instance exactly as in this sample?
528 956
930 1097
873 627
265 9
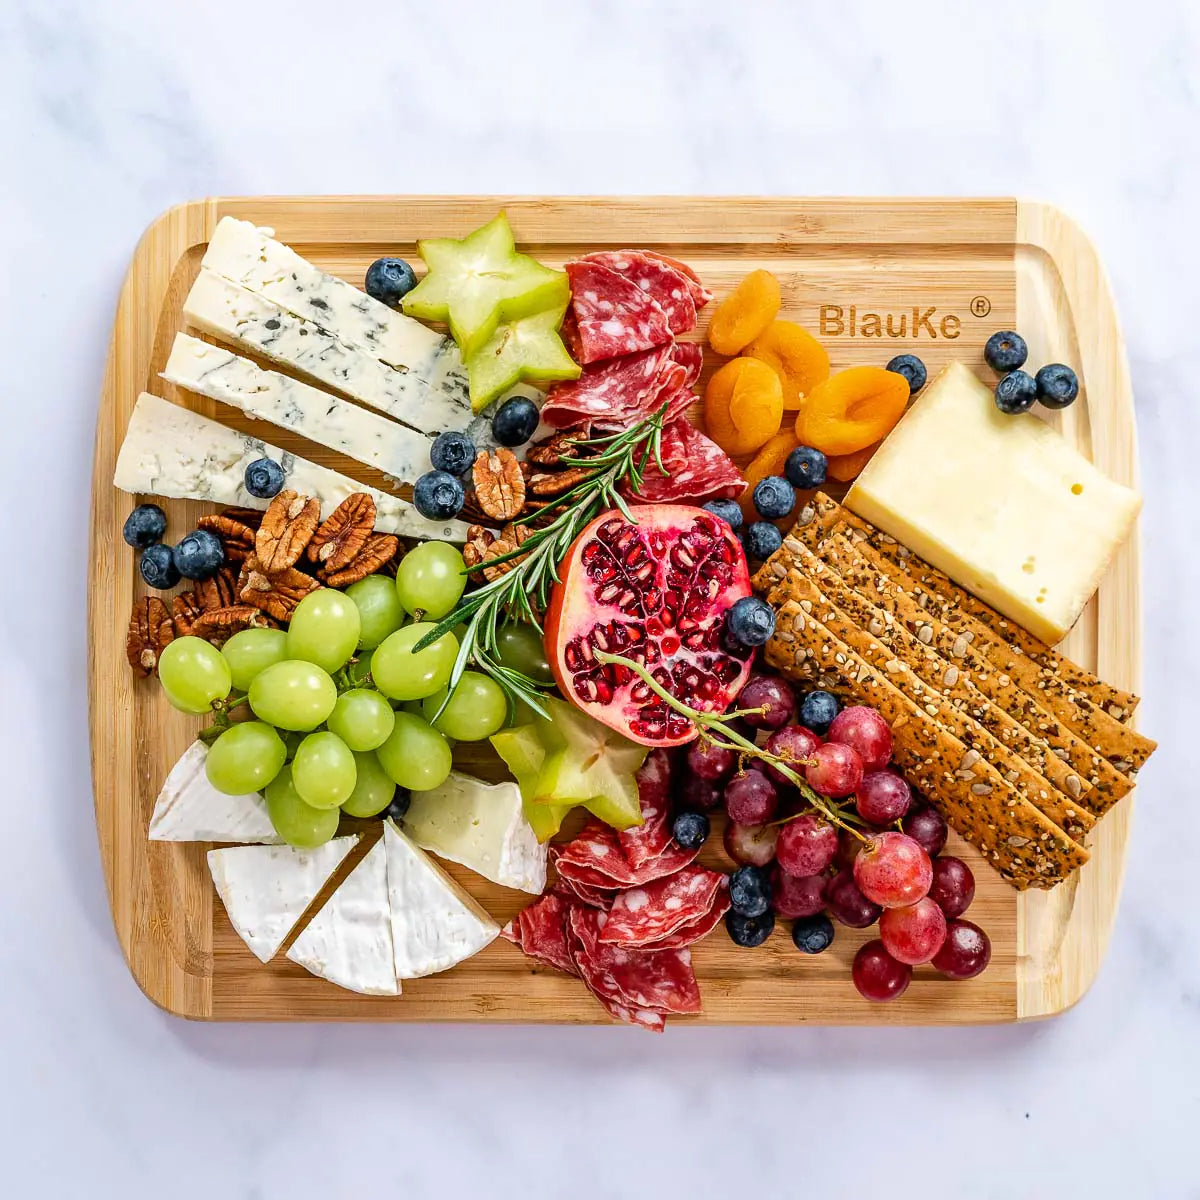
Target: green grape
477 708
520 647
299 824
373 789
293 695
324 629
250 651
402 675
362 719
379 609
193 674
291 741
416 755
245 758
323 770
360 668
431 579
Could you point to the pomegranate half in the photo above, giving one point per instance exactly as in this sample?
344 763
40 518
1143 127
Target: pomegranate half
655 590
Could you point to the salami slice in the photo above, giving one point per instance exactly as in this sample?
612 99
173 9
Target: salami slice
594 856
593 897
678 405
612 315
697 469
617 389
649 839
643 916
581 938
670 287
690 356
700 294
702 926
580 865
541 931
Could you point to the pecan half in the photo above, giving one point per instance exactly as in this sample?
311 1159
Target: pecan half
236 536
244 516
559 449
378 551
185 609
478 541
471 511
511 537
343 533
546 485
499 484
287 528
218 591
278 594
150 632
220 624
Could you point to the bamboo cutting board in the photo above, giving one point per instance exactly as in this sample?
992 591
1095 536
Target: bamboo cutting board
871 278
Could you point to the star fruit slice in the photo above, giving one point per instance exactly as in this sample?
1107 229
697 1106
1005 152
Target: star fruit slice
524 351
523 749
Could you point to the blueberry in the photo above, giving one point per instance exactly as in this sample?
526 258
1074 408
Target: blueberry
690 830
515 421
912 368
390 280
438 496
813 934
730 511
762 540
751 621
749 931
806 467
817 710
453 453
1005 351
264 478
1057 385
146 525
157 565
1016 392
398 807
199 555
750 891
774 497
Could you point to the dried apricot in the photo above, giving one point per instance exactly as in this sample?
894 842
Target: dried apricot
768 461
743 405
852 409
800 361
744 313
845 468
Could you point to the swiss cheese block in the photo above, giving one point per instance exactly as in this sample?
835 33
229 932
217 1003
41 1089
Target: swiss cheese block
1002 504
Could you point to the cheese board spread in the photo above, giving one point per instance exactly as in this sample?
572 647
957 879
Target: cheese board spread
602 627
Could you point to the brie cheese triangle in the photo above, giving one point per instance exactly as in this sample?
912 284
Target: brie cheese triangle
266 889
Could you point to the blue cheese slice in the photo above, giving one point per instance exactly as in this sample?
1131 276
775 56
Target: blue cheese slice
483 827
190 809
400 452
171 451
267 889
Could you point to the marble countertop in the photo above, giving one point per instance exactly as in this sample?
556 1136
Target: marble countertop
115 111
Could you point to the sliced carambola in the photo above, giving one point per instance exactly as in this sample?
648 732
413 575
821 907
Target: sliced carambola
524 752
524 351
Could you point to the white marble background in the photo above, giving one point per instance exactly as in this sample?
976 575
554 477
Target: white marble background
113 110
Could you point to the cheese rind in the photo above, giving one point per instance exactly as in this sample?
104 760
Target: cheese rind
1002 504
483 827
171 451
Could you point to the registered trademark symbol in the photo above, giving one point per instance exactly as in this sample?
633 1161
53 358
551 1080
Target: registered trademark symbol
981 306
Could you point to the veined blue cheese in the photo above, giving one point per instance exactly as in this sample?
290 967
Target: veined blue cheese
172 451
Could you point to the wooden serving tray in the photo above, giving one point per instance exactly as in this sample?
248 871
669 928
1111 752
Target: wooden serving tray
871 278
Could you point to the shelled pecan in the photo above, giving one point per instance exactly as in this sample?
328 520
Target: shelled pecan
218 591
499 484
220 624
236 536
378 550
277 594
286 530
185 610
338 539
559 449
150 632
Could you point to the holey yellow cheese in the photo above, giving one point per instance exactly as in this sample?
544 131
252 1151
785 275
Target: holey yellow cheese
1002 504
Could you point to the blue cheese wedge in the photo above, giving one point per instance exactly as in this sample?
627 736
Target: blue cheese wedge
171 451
482 826
400 452
190 809
435 924
266 889
349 941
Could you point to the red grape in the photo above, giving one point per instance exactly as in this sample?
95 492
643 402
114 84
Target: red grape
700 794
837 771
914 934
927 827
750 845
953 886
877 975
965 952
751 798
773 696
794 744
893 870
847 851
807 845
865 731
882 797
708 761
797 897
847 904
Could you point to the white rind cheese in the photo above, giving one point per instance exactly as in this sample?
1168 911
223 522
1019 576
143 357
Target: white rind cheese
435 924
349 941
190 809
266 889
398 451
171 451
483 827
1002 504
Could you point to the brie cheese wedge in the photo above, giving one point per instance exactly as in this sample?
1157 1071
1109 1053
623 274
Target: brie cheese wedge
266 889
190 809
483 827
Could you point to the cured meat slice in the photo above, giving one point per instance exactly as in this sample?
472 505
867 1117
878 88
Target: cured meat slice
700 294
621 389
596 858
541 931
643 916
697 469
670 287
581 940
612 315
595 897
690 356
678 405
649 839
702 926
